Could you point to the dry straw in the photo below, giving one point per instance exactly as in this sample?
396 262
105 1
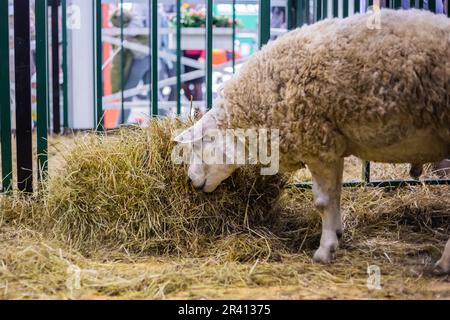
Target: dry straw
121 212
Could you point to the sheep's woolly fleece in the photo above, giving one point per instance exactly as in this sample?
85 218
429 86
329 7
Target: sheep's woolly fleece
316 82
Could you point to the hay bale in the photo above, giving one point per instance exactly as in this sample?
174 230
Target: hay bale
122 192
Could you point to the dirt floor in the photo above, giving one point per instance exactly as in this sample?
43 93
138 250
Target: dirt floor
400 232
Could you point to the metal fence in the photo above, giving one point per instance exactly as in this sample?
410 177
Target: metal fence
55 92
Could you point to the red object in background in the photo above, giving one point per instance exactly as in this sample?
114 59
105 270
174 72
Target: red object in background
220 56
111 118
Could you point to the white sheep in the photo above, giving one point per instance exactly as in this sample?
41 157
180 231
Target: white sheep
338 88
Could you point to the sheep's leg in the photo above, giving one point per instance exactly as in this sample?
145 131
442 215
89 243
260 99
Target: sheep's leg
443 265
416 171
327 185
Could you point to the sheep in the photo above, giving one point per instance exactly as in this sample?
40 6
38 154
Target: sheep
335 89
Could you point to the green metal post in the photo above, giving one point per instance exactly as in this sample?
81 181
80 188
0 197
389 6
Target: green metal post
264 22
5 107
300 13
289 20
209 53
41 12
154 56
307 13
178 66
335 8
357 6
318 10
366 172
122 67
233 51
432 5
98 66
64 66
346 11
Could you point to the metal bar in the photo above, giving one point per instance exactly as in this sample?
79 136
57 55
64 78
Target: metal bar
432 5
289 14
42 94
122 66
178 62
65 67
324 9
233 51
154 56
55 67
335 8
366 171
5 101
318 10
346 11
22 66
209 53
379 183
300 13
307 13
264 22
98 66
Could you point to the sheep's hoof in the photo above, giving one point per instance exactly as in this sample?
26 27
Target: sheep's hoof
441 268
324 255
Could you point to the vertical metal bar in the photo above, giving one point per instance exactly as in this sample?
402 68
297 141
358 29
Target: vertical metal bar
289 20
22 65
324 9
178 67
397 4
346 12
366 172
5 102
209 53
432 5
41 20
307 12
64 66
300 13
122 67
264 22
335 8
98 66
55 67
357 6
154 56
233 48
318 10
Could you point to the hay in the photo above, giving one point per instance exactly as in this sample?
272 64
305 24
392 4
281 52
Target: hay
121 192
119 212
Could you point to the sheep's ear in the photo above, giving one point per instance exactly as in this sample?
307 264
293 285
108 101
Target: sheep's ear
197 131
189 136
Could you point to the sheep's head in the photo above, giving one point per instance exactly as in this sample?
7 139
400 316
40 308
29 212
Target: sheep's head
208 165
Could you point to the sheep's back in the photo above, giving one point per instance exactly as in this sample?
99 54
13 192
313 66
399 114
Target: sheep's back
338 74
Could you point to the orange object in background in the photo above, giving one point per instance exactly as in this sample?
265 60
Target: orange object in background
220 56
111 118
107 89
